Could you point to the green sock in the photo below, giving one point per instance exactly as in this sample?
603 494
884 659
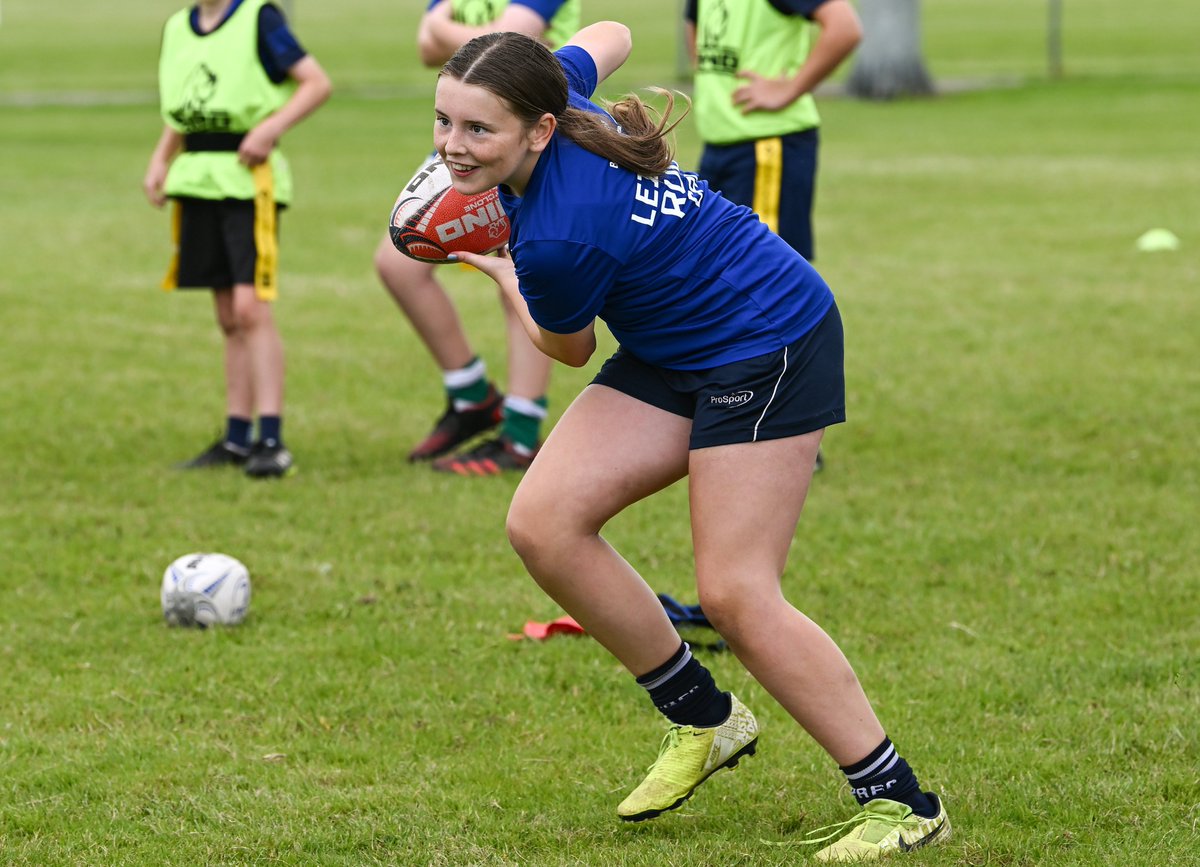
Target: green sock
468 384
473 393
522 423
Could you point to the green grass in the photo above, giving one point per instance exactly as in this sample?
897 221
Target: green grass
1002 542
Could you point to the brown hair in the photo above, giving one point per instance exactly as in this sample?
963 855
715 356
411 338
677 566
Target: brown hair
522 72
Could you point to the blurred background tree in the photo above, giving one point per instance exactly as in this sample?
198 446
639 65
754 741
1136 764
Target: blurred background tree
888 63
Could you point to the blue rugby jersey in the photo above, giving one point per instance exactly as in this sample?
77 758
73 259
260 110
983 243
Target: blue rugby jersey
683 278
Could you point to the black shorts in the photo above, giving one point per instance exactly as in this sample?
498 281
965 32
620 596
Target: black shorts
774 177
785 393
216 243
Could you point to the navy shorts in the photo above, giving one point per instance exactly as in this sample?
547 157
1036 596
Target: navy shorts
774 177
785 393
216 243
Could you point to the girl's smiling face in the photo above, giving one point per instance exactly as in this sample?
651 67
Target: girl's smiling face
481 141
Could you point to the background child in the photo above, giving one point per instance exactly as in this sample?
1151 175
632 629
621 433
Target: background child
474 405
232 80
757 116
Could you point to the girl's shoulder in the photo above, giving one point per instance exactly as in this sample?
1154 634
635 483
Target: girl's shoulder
577 179
580 70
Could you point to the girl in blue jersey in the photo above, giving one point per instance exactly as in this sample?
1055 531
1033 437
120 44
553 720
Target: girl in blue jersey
728 371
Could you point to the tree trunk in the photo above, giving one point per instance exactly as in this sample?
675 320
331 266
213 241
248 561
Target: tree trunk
888 63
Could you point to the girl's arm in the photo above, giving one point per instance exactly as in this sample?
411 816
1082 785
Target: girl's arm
571 349
609 44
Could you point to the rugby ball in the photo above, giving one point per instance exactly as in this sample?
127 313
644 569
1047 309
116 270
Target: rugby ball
430 220
205 590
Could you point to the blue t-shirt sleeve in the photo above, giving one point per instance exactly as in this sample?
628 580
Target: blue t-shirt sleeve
557 302
278 48
580 70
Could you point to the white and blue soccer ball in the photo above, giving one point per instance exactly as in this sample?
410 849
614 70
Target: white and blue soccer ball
205 590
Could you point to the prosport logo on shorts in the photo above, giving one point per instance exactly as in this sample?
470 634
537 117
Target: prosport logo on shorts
738 398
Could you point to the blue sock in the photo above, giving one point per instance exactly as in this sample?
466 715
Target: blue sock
270 427
885 774
237 432
685 693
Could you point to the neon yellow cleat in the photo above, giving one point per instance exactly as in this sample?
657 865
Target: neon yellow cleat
882 827
688 756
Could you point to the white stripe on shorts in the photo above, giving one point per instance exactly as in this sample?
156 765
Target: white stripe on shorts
774 391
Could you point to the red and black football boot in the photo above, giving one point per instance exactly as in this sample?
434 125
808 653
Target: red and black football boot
489 458
456 426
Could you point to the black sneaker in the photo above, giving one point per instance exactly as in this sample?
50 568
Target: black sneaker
455 426
269 459
489 458
219 454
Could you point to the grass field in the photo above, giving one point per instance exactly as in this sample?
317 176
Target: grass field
1000 541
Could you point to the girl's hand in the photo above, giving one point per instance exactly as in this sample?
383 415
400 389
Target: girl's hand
499 267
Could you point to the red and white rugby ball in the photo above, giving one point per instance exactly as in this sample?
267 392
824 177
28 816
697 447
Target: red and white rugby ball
430 220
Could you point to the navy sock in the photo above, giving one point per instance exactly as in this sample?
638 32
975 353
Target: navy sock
684 691
237 432
885 774
270 427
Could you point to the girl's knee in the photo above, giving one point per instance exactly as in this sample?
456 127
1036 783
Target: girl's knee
540 532
734 608
526 525
521 535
